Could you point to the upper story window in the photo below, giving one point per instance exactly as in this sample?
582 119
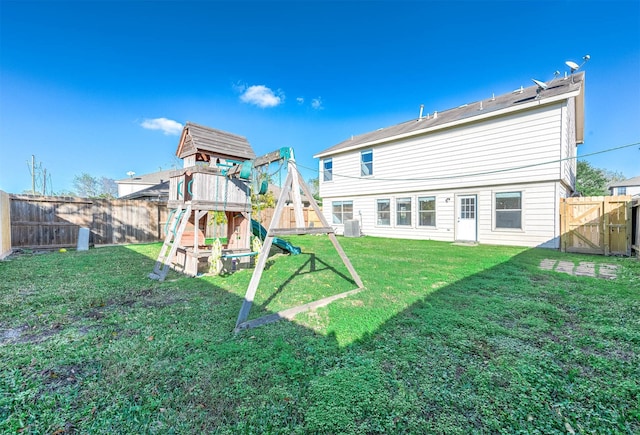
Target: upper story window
622 190
366 163
508 210
327 165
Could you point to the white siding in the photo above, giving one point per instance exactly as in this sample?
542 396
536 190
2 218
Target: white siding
527 140
630 190
540 220
569 146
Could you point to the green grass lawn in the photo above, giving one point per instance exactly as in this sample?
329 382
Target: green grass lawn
444 339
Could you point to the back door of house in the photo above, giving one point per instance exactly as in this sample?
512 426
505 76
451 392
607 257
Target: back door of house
466 218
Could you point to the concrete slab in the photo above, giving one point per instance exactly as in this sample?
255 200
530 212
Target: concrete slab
565 267
547 264
586 268
608 271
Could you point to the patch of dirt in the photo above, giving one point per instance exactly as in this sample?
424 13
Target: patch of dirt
59 377
98 311
12 335
22 334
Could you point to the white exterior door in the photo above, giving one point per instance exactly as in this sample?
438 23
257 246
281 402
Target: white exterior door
466 218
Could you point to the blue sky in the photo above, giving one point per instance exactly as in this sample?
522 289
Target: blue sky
103 87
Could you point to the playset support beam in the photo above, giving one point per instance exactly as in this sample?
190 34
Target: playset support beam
292 182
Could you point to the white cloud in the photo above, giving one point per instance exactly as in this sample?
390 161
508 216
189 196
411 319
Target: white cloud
300 100
262 96
316 103
167 126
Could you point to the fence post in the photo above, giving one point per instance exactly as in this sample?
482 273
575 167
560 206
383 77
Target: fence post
606 209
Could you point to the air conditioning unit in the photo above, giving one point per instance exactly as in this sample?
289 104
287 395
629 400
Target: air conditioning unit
352 228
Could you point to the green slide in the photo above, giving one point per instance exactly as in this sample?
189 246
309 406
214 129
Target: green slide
260 231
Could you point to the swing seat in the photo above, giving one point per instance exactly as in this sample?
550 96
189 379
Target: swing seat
239 254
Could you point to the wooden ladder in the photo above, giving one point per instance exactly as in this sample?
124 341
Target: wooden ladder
171 242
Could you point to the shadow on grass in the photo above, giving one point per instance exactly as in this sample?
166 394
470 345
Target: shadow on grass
452 340
308 267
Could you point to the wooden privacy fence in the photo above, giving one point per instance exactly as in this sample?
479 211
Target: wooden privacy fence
288 218
596 225
42 222
53 222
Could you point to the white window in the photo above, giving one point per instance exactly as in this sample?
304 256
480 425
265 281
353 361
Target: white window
622 190
384 212
342 211
328 169
508 206
427 211
403 211
366 163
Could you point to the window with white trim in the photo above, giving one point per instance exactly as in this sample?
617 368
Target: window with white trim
384 212
427 211
508 208
366 163
342 211
327 166
403 211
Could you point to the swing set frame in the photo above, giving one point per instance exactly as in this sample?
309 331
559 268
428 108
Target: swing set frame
293 184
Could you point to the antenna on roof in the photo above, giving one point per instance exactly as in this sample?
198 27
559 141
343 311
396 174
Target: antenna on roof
574 66
131 174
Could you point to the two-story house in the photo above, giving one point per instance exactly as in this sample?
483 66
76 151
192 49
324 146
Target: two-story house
492 171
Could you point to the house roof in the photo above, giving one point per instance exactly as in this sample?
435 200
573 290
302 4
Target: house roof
276 190
520 99
635 181
158 191
197 138
151 179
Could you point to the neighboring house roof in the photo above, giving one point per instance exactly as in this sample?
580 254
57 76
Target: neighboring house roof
276 190
158 192
520 99
200 139
150 179
635 181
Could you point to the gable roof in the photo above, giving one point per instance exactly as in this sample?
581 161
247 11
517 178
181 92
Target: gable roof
151 179
635 181
159 191
521 99
198 138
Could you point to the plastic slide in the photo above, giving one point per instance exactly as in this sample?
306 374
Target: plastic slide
260 231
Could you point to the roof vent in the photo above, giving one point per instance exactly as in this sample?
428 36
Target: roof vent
480 105
493 96
421 110
435 114
518 91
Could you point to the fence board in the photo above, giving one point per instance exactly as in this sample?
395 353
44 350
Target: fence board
288 218
52 222
5 225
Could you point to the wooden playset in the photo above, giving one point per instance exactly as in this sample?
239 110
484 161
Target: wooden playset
209 229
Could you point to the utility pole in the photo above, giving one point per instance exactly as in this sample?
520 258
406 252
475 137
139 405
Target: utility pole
38 177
